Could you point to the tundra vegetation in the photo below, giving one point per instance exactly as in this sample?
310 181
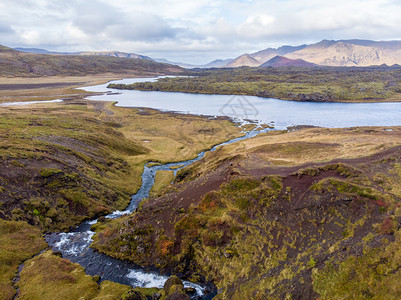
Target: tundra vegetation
329 84
63 163
305 213
312 212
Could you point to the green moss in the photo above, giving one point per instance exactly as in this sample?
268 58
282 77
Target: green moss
48 172
48 276
241 185
311 262
18 242
373 275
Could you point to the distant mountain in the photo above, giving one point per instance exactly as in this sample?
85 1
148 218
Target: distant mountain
350 53
180 64
214 64
16 63
101 53
329 53
42 51
244 60
267 54
115 54
281 61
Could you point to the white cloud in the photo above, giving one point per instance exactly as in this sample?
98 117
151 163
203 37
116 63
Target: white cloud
182 28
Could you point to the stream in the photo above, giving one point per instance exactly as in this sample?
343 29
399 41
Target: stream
75 245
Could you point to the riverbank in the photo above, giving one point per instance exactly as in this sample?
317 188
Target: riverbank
49 88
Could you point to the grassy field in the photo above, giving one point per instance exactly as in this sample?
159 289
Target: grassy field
18 242
49 276
326 84
311 212
162 180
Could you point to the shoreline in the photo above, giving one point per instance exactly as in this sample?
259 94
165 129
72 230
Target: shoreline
377 100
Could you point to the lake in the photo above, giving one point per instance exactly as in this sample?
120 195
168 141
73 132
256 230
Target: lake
265 110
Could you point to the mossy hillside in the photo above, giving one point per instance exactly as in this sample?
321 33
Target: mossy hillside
18 242
61 166
49 276
373 275
265 235
65 163
250 229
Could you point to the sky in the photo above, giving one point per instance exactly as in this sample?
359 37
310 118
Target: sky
192 31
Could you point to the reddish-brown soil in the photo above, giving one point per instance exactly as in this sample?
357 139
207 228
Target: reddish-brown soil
190 193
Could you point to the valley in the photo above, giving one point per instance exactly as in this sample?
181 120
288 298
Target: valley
303 204
65 163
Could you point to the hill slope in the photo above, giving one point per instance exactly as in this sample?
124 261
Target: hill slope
269 53
101 53
296 215
15 63
243 60
281 61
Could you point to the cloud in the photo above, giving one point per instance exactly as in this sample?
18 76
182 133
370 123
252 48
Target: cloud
102 20
208 28
141 26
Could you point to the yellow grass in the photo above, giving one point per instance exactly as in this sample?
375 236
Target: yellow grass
162 179
313 145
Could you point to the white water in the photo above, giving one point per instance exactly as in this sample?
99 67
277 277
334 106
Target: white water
74 243
150 280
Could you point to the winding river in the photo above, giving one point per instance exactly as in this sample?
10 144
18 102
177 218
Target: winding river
74 245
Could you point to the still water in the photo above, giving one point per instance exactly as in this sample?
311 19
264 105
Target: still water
266 110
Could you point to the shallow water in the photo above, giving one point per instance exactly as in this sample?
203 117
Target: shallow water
29 102
283 113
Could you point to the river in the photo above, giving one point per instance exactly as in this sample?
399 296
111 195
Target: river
75 245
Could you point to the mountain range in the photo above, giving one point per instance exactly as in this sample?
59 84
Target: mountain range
214 64
101 53
343 53
18 63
